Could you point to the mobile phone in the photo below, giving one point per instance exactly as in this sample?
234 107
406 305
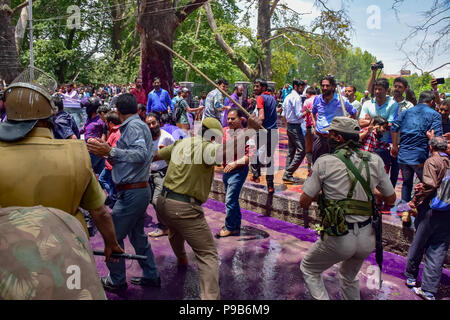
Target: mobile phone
440 80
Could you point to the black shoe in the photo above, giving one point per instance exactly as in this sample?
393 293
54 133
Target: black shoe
109 286
146 282
291 179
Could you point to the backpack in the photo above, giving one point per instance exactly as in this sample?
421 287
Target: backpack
177 111
442 200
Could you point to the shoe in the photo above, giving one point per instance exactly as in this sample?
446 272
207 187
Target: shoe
183 262
158 233
411 282
423 294
146 282
255 180
291 179
406 218
109 286
226 233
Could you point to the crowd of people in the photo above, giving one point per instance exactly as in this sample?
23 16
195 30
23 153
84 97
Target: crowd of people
143 149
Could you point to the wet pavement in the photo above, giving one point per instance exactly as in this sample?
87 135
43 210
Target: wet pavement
261 264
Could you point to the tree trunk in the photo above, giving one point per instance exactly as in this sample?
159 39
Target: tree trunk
155 60
9 60
263 33
117 29
157 21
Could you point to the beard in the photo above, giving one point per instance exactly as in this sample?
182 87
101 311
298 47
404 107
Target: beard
155 132
333 144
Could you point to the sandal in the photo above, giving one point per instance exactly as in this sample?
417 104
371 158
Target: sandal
226 233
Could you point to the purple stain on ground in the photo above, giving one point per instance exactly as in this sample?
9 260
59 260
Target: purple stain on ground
262 263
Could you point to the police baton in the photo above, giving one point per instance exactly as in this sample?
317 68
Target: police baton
121 255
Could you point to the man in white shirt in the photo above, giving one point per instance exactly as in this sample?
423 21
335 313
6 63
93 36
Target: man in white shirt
292 113
158 169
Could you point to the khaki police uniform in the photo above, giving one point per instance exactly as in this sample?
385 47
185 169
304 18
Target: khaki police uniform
40 170
330 175
187 184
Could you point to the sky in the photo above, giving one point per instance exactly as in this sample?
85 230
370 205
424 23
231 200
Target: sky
383 43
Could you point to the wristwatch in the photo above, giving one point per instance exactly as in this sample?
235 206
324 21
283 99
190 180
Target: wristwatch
112 153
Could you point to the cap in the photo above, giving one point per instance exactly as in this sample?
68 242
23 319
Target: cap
214 125
12 130
185 89
344 124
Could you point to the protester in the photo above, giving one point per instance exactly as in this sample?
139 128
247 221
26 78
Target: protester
158 169
444 110
410 141
113 123
347 237
350 94
383 106
142 111
167 125
235 172
181 115
267 142
286 91
311 94
132 157
159 101
214 104
139 92
400 87
325 108
94 128
432 225
366 97
292 112
370 136
238 96
65 126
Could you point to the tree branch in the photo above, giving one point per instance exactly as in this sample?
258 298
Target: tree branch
282 35
274 5
245 68
20 6
439 67
184 11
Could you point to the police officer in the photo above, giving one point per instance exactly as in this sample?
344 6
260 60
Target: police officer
348 177
37 169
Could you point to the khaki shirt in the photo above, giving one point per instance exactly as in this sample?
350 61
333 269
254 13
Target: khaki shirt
191 166
330 174
40 170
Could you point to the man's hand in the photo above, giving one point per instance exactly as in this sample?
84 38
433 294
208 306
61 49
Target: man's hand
110 249
254 123
430 134
418 187
434 84
394 152
230 167
98 147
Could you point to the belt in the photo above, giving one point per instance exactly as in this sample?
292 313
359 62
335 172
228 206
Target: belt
129 186
360 224
167 193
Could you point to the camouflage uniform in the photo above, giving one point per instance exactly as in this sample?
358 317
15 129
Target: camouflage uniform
45 254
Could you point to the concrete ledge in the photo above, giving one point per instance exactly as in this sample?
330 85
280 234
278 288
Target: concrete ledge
285 206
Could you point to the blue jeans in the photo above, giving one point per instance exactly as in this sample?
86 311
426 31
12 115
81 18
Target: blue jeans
107 183
233 182
98 163
408 171
128 216
432 239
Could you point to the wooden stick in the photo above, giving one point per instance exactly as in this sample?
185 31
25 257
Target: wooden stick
206 78
341 100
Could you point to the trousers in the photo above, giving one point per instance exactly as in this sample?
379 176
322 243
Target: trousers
296 144
128 216
186 222
351 250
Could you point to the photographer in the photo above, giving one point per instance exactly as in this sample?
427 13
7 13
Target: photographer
374 67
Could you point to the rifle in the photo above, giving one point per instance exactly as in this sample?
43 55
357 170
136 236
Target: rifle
377 225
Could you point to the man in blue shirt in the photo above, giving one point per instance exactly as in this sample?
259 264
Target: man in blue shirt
385 107
325 108
159 100
132 158
292 112
413 125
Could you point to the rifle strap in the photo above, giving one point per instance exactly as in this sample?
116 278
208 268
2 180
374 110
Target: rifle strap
356 173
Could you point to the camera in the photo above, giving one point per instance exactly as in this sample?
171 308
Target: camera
378 65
